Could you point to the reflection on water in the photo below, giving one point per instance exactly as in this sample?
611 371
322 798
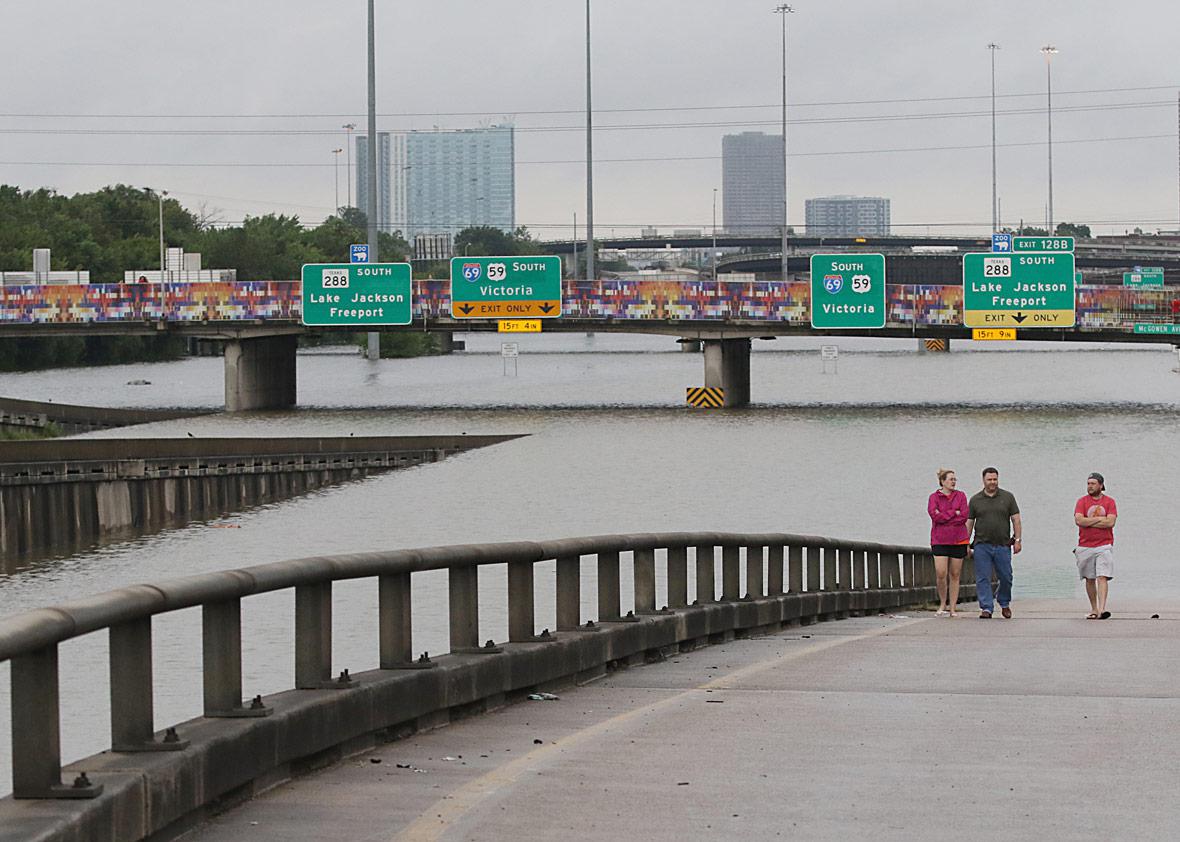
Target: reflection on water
851 454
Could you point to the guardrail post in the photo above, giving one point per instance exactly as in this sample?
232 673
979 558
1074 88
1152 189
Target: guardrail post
36 730
844 561
794 569
776 557
221 661
813 575
830 561
463 605
521 624
677 577
731 574
313 635
132 718
394 620
874 578
755 578
706 572
609 599
569 593
645 581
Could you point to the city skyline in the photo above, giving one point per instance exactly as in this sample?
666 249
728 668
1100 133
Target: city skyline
906 81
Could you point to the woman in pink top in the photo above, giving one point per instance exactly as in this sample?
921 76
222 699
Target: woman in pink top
948 538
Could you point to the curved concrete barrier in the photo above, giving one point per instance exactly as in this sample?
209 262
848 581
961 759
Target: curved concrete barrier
161 782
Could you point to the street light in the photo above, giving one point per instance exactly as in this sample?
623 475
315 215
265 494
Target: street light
1049 50
995 202
374 338
589 161
348 127
714 234
160 199
336 157
784 10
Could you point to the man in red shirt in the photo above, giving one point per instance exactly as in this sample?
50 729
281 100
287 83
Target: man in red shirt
1095 514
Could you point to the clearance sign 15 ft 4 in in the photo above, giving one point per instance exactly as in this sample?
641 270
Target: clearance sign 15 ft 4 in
1025 289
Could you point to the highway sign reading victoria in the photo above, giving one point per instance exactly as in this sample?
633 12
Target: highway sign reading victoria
358 294
1030 289
522 287
847 291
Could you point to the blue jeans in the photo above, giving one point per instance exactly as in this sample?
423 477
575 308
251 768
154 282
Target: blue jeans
990 557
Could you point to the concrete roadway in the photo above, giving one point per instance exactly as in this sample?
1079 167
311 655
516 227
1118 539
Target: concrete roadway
1046 726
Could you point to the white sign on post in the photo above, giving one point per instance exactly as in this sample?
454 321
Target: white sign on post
829 352
509 349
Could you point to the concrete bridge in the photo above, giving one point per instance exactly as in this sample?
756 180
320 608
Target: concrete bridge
886 724
261 320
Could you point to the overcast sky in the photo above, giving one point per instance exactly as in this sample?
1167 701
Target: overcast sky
229 67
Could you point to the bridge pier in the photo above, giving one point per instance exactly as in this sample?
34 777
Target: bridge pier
260 373
446 341
727 366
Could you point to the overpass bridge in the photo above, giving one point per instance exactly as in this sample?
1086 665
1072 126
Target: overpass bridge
888 723
261 320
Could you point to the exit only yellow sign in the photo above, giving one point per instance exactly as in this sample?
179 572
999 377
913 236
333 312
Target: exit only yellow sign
518 326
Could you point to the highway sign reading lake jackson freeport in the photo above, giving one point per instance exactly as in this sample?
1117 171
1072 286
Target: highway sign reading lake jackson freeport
358 294
523 287
847 291
1026 289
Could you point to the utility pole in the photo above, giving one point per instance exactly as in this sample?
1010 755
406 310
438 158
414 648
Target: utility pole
784 10
374 349
995 201
589 161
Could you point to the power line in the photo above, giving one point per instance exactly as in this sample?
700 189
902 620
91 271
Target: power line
840 120
548 112
646 159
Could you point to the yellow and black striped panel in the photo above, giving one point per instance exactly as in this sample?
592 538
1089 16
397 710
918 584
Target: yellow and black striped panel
705 397
935 344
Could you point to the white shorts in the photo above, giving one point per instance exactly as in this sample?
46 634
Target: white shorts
1095 561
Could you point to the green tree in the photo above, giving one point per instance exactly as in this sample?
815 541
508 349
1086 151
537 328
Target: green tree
1071 229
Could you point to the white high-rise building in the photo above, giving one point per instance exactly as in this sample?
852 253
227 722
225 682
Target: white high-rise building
752 183
847 216
445 181
384 210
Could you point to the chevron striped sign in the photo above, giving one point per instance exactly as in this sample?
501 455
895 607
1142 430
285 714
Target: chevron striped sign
705 397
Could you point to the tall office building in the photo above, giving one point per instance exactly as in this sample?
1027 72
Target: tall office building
847 216
384 213
445 181
752 183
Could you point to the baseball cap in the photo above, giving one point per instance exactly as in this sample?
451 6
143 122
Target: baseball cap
1098 476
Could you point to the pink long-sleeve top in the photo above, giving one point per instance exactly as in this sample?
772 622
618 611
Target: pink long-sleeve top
946 527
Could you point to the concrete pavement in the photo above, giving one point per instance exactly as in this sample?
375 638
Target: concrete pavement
907 726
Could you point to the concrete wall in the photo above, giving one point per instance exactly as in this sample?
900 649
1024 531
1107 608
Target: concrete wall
159 794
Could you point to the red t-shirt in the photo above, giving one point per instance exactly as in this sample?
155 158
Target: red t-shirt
1095 536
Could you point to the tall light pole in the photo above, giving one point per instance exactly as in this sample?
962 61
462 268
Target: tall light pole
995 204
336 158
714 234
348 128
589 161
1049 50
374 337
784 10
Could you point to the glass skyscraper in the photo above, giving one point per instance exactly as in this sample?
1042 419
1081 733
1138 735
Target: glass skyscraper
752 183
384 214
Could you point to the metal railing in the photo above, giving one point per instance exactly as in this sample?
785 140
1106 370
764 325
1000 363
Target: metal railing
843 575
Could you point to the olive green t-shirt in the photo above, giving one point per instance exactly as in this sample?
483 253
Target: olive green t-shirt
992 516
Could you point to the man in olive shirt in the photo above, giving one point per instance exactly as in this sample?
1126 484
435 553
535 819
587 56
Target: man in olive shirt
989 514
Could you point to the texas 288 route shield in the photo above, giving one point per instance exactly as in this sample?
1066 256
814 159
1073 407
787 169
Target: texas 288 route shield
521 287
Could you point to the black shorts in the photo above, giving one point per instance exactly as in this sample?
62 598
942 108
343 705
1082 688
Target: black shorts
949 550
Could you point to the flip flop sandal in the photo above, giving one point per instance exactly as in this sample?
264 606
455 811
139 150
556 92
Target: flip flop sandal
1105 615
1091 616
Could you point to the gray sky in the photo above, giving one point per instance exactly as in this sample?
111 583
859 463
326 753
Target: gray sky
167 61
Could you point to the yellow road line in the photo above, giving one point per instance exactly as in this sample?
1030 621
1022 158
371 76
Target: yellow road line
442 814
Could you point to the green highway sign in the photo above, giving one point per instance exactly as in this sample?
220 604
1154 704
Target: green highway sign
357 294
847 291
522 287
1033 289
1151 327
1042 244
1145 277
